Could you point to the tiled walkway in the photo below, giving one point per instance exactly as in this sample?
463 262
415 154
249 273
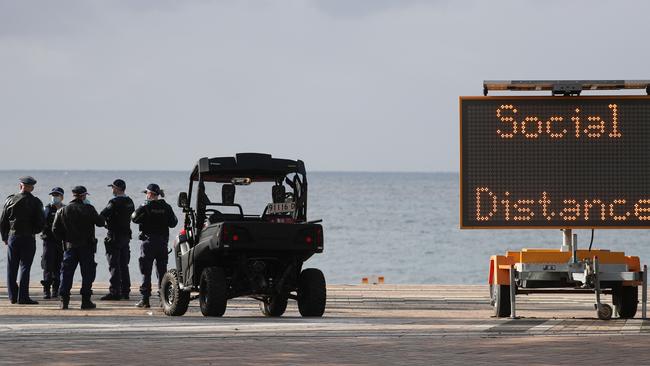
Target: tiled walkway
423 324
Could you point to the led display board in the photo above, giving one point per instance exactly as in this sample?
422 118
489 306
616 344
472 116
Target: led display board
555 162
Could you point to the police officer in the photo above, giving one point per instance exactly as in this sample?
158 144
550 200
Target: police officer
75 224
22 218
118 222
52 248
155 217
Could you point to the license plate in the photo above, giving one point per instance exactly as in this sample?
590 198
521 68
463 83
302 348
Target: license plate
277 208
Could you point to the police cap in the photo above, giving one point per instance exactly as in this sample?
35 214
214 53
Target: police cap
27 180
79 190
153 187
118 183
56 190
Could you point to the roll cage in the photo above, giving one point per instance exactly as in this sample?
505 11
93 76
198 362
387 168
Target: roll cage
252 168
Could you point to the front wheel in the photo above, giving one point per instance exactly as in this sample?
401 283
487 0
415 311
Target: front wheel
312 293
274 306
213 292
174 300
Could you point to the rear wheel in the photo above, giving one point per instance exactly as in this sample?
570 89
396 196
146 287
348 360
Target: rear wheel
213 292
626 299
174 300
274 306
312 293
500 300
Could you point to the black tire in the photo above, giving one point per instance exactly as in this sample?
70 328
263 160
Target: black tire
604 312
174 300
213 292
500 300
491 295
626 300
274 306
312 293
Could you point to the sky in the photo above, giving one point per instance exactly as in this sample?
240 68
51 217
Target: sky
344 85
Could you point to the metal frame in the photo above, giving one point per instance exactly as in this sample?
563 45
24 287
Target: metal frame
639 276
644 293
564 87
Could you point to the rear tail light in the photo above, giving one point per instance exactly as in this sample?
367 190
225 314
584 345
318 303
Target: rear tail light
233 234
313 237
181 237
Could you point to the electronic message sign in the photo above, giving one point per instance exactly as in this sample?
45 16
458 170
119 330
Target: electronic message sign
555 162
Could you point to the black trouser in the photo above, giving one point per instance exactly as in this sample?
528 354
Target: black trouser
84 256
153 248
20 255
118 254
51 263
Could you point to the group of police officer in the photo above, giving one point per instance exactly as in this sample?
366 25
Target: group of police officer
68 233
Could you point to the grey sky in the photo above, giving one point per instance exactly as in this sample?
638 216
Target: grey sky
345 85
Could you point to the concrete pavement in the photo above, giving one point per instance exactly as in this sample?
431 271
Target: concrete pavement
380 324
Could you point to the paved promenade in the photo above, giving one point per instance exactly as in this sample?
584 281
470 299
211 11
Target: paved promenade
382 324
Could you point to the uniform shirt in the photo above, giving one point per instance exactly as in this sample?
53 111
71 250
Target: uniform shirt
75 223
118 215
155 218
22 215
49 213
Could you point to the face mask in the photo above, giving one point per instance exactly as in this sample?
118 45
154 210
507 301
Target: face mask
56 200
86 201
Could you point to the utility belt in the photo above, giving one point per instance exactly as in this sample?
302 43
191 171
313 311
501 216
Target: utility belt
148 236
22 235
113 237
92 242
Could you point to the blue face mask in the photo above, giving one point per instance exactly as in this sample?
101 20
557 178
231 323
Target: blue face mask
86 201
56 200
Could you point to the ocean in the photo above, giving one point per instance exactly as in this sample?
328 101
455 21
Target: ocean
403 226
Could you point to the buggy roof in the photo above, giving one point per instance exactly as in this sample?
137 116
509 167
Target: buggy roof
258 167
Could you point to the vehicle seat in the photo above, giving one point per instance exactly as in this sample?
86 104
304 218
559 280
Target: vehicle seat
227 198
278 193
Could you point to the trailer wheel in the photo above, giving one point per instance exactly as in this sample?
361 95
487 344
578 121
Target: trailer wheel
491 295
174 300
626 299
274 306
312 292
213 292
500 300
604 312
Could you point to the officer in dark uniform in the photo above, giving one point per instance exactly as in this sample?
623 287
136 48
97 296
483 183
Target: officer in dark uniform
118 222
52 248
22 218
75 226
155 217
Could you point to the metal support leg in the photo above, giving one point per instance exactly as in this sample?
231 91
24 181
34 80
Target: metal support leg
597 282
566 240
644 292
513 293
604 311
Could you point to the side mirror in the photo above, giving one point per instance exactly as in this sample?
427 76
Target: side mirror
183 201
